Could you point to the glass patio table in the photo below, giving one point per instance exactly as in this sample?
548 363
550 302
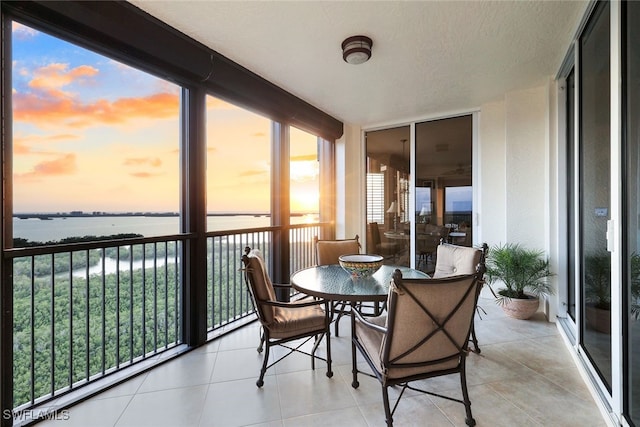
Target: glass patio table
332 282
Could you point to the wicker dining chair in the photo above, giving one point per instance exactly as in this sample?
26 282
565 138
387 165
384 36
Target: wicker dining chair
285 322
425 334
328 253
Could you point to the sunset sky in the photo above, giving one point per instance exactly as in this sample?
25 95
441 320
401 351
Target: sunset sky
92 134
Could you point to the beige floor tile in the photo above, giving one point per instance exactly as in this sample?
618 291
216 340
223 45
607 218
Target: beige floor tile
239 364
187 370
548 403
351 417
170 408
412 411
524 376
241 403
310 392
92 413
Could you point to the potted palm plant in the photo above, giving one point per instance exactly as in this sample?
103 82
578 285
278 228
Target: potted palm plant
597 280
598 291
523 274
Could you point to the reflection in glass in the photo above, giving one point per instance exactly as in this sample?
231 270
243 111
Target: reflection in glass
443 186
595 191
632 262
387 180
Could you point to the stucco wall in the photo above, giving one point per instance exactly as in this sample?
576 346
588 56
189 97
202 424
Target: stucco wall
526 167
515 140
350 204
492 152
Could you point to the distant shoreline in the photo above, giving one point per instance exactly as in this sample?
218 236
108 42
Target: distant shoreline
81 214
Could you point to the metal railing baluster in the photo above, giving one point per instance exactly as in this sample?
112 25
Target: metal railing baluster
107 316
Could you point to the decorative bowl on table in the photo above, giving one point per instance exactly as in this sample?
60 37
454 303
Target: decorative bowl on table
360 265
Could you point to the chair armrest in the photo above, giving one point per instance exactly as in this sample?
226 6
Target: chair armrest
282 285
365 322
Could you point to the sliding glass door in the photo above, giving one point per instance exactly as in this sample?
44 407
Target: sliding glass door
595 191
631 153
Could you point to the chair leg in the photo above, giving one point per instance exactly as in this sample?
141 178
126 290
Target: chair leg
474 339
354 368
260 381
338 308
329 371
261 345
465 396
316 342
387 407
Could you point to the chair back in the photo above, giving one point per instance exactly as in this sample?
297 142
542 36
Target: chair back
428 324
452 260
328 251
375 233
259 284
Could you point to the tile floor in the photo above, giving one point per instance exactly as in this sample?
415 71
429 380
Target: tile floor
524 376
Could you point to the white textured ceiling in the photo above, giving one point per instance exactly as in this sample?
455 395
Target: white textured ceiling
429 57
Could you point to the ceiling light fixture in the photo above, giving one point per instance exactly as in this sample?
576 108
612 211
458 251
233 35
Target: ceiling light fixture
356 49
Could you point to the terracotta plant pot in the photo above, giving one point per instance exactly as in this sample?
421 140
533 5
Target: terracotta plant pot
598 319
521 308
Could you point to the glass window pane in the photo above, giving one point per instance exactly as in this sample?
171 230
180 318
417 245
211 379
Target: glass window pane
444 195
632 184
95 143
387 179
238 167
305 177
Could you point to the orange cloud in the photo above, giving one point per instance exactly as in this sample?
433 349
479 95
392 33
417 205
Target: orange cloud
22 145
55 110
144 174
48 104
63 165
54 76
151 161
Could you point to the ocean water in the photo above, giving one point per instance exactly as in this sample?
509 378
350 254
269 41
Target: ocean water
57 228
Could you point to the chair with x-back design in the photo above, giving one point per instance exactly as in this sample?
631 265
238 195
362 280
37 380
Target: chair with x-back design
424 334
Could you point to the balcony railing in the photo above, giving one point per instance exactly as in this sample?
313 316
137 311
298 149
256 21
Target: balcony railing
227 297
83 311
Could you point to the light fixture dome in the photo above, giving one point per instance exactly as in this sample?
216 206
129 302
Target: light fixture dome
356 49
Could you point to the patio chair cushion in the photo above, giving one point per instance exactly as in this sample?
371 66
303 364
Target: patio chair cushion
292 321
328 251
454 260
262 286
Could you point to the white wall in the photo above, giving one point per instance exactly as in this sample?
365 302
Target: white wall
350 166
527 136
516 139
492 194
